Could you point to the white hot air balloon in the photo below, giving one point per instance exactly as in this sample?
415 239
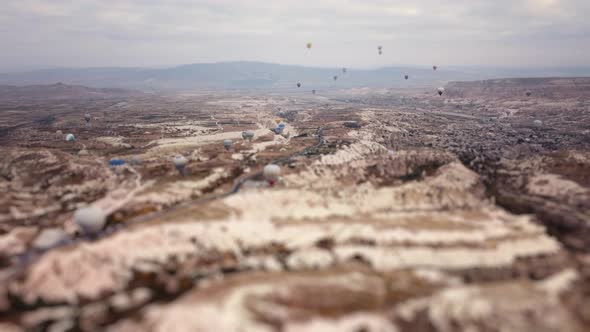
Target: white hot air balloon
271 173
49 238
440 91
91 219
180 162
70 137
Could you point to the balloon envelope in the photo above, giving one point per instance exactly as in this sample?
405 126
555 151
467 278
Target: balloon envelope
116 162
227 144
249 135
90 220
271 172
179 161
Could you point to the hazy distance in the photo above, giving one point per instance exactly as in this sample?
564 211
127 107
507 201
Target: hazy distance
39 34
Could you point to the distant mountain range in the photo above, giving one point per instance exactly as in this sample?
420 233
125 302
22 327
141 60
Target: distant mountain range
269 77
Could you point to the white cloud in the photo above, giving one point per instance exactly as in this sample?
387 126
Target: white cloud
344 32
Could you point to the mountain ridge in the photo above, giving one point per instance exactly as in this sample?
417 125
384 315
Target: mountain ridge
262 75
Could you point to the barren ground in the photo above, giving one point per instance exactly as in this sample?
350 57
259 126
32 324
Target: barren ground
453 213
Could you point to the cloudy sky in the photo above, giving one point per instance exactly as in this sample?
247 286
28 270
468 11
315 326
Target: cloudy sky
42 33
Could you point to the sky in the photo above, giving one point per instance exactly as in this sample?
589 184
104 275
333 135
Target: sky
155 33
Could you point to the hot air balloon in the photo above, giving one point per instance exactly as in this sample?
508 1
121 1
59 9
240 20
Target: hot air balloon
380 49
180 162
538 123
313 91
344 70
434 67
282 125
116 162
135 160
70 137
49 238
308 45
227 144
90 220
440 91
528 93
278 120
335 77
87 117
298 84
271 173
406 77
248 135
